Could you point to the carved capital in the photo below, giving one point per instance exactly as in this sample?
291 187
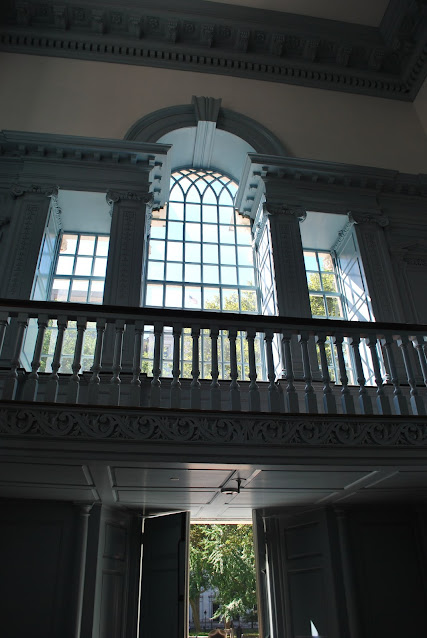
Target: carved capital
137 196
368 218
20 189
277 209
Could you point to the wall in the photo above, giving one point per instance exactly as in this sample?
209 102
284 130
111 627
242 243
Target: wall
420 105
103 100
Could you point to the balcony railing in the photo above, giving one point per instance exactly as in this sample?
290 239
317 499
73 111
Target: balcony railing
274 364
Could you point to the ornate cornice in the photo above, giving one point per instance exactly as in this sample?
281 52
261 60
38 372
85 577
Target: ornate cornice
136 196
280 209
369 218
85 423
17 190
388 61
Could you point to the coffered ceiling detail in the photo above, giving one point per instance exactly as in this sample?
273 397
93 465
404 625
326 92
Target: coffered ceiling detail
388 60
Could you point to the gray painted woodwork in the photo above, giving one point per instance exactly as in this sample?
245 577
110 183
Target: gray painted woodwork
387 61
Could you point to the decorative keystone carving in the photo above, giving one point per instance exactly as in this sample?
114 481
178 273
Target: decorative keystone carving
206 108
368 218
376 58
343 55
310 49
19 189
172 31
98 20
60 16
22 14
272 208
207 35
135 26
113 197
278 44
242 40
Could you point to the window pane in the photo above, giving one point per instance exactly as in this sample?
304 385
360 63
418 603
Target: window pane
228 275
244 235
248 301
329 283
211 299
193 297
193 195
193 253
210 274
226 234
313 281
86 245
157 249
246 276
210 253
83 266
317 305
192 232
192 213
225 198
173 298
174 251
192 273
68 244
65 265
60 289
173 272
154 295
210 214
334 306
100 267
243 221
209 196
102 246
210 233
245 256
228 255
310 261
79 290
176 194
226 215
230 300
175 230
326 262
176 211
156 270
96 292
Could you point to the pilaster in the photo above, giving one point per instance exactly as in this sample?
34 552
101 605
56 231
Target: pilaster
126 255
377 265
27 225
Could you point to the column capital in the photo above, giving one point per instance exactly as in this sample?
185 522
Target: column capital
274 208
379 218
21 189
137 196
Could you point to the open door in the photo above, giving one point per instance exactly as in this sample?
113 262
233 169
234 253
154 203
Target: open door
164 584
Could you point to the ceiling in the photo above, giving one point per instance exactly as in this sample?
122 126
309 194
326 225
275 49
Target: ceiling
368 12
169 487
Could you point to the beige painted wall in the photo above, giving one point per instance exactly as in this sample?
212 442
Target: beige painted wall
420 104
103 100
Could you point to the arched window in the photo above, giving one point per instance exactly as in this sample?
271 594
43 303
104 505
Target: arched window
200 253
200 257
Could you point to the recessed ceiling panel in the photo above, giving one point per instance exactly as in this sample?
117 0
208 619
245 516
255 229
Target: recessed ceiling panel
44 474
165 498
168 478
306 479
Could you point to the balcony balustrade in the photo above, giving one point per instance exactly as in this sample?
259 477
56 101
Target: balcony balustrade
133 358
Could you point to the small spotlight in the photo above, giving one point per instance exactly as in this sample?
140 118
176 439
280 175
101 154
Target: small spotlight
230 490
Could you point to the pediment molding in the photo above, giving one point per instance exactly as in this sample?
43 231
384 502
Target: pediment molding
388 61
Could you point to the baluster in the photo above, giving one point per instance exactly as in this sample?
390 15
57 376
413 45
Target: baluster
383 403
4 322
95 380
417 404
135 384
329 403
399 401
273 391
155 382
309 396
291 397
215 389
195 394
52 384
11 382
115 380
29 392
364 399
175 397
347 401
419 345
234 386
254 398
74 382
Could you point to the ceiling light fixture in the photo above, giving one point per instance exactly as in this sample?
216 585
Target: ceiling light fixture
230 489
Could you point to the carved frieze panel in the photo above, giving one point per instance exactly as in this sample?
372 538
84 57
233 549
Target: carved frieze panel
301 51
